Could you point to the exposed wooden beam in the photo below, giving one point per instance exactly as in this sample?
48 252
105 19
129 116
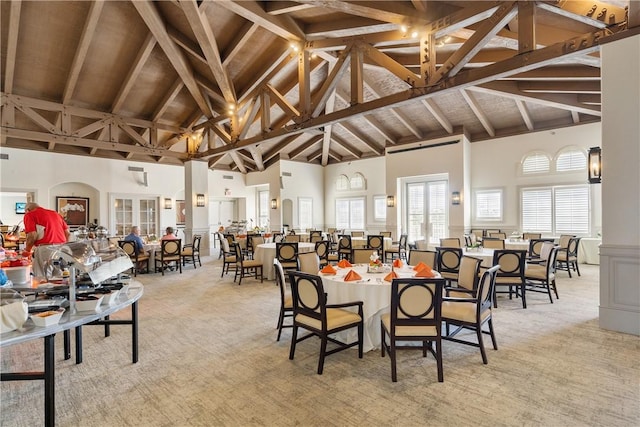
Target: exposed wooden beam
281 25
592 86
304 147
12 44
477 110
438 114
524 112
387 11
347 146
276 7
134 72
375 148
240 41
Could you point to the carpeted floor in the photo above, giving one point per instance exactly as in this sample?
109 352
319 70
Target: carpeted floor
208 357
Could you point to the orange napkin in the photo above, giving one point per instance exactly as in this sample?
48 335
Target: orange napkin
419 266
389 277
328 269
397 263
425 272
351 276
344 263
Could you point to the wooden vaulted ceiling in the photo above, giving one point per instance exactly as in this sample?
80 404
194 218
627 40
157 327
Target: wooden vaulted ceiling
241 84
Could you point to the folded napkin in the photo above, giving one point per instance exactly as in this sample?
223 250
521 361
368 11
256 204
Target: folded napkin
397 263
389 277
328 269
344 263
419 266
351 276
425 272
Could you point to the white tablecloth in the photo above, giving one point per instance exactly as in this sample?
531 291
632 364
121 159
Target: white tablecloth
266 252
361 242
522 245
151 249
374 292
589 250
486 255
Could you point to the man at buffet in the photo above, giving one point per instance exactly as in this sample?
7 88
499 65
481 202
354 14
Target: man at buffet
43 227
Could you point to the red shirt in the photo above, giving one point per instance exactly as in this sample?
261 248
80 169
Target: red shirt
53 223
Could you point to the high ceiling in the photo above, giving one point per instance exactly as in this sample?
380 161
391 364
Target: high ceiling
241 84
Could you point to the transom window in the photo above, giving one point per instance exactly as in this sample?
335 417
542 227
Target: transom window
536 162
342 183
573 159
357 182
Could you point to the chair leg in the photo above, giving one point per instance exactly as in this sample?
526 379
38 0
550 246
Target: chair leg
360 339
481 343
439 361
577 268
523 290
280 323
323 351
555 289
294 337
392 356
493 336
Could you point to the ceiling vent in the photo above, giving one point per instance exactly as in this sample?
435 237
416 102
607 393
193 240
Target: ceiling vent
227 176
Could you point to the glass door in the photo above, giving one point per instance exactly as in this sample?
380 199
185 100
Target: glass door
127 211
426 208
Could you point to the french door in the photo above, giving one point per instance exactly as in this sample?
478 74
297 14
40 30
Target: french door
128 210
427 217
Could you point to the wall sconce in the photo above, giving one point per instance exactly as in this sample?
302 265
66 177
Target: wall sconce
167 203
391 201
200 200
455 198
274 204
595 165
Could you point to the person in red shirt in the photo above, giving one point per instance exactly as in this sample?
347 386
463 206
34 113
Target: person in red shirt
43 227
169 235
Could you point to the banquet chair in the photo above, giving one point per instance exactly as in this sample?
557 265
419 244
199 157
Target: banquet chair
322 249
286 302
469 240
246 267
478 233
414 316
315 236
376 242
492 243
398 250
287 254
530 236
357 234
169 253
292 238
567 258
277 237
136 256
344 247
541 277
449 262
228 256
472 313
510 274
311 312
489 231
429 258
255 241
309 262
498 235
467 280
535 250
563 242
191 251
385 234
450 242
362 255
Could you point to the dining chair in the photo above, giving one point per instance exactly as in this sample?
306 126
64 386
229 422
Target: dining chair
386 234
498 235
489 231
530 236
322 249
427 257
292 238
479 233
510 274
414 315
450 242
228 257
449 262
246 267
467 280
138 259
287 254
315 236
191 252
376 241
309 262
357 234
277 237
567 258
362 255
344 247
492 243
541 277
535 250
398 250
169 253
286 302
312 313
471 313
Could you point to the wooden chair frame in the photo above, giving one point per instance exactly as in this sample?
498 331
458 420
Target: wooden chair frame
170 251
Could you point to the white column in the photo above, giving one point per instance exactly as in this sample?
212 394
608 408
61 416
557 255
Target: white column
197 218
620 249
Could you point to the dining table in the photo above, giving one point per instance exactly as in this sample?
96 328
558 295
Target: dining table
372 290
484 254
361 242
266 252
520 245
151 248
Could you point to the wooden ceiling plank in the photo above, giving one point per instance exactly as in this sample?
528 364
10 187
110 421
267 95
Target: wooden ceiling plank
386 11
335 156
283 26
477 110
304 146
328 130
485 32
81 51
438 114
207 41
524 112
347 27
362 138
584 87
275 7
289 109
564 72
168 98
526 26
37 118
337 69
238 161
134 72
90 128
270 71
575 12
590 98
240 41
463 18
12 44
185 43
275 150
347 146
155 23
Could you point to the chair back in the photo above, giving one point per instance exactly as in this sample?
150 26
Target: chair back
429 258
344 246
485 293
309 262
230 237
469 240
170 249
449 260
572 248
530 236
547 248
450 242
239 256
493 243
129 248
315 236
385 234
535 247
376 242
402 243
196 243
499 235
478 233
309 299
226 249
362 255
512 263
287 253
357 234
416 302
322 249
468 273
277 237
255 241
280 279
489 231
563 243
294 238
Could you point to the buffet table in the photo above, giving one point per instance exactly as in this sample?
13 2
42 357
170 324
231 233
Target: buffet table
68 321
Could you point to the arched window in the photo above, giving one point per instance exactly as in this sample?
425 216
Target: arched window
536 162
357 182
342 183
571 159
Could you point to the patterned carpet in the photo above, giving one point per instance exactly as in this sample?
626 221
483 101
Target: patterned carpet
208 357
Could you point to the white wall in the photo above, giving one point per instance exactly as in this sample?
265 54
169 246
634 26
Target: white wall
303 182
8 213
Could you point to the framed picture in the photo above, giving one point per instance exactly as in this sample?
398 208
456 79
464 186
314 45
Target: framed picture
181 210
74 210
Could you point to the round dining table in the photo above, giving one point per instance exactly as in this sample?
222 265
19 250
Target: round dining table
372 290
486 255
266 252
